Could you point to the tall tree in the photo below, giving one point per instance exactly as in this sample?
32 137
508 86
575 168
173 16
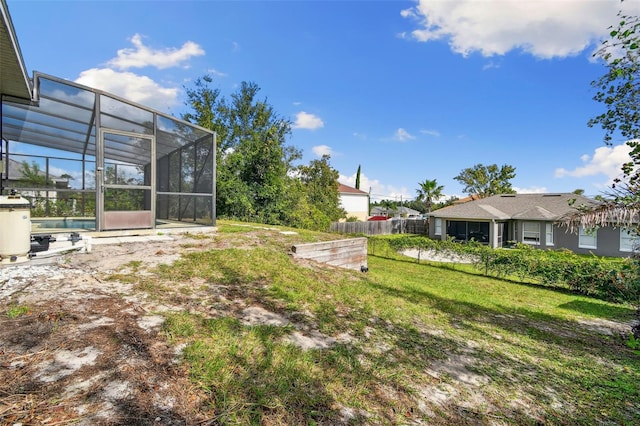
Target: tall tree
358 178
254 163
485 181
207 110
429 191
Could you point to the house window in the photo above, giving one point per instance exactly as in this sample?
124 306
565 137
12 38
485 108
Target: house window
438 226
549 234
587 238
467 231
629 240
531 232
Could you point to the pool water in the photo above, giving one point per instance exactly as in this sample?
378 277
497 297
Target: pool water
72 223
65 223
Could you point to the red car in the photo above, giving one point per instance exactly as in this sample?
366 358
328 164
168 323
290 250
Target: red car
378 218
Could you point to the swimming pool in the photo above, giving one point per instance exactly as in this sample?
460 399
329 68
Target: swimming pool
63 223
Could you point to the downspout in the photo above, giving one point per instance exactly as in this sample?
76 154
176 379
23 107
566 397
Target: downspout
494 237
3 166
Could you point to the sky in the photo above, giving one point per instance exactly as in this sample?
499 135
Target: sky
407 90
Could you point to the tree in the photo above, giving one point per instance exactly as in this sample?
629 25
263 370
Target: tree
321 183
388 206
254 163
207 110
416 204
31 174
619 90
358 178
619 207
121 199
429 191
485 181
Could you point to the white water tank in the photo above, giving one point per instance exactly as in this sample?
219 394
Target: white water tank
15 228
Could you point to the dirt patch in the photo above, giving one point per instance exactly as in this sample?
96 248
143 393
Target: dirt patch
94 359
88 349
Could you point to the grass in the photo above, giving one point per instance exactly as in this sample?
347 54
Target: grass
15 310
414 341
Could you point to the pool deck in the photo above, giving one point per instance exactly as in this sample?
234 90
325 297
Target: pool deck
65 243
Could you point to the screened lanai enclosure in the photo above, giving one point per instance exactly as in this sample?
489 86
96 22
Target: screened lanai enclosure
88 159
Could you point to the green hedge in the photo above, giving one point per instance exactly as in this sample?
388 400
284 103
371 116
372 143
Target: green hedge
613 279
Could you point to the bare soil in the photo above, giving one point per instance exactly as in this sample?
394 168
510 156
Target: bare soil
88 350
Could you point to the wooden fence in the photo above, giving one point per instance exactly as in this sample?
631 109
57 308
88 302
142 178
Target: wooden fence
382 227
350 253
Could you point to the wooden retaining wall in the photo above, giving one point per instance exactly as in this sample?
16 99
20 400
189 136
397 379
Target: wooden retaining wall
350 253
382 227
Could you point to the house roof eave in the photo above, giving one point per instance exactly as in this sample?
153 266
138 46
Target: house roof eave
15 82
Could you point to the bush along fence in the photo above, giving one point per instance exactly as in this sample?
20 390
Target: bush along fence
612 279
382 227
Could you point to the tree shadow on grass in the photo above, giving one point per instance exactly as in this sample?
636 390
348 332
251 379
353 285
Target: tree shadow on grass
546 328
597 309
623 310
569 359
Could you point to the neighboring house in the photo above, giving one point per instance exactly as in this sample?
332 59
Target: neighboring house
382 211
408 213
471 197
354 201
530 219
15 178
398 212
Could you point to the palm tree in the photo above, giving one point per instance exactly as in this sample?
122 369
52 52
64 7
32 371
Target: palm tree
428 191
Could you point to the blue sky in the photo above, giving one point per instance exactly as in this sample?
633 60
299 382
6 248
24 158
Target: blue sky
409 90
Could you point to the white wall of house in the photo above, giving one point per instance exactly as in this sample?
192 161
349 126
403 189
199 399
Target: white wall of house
356 205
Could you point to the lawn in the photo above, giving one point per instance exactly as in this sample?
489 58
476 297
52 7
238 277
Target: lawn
406 343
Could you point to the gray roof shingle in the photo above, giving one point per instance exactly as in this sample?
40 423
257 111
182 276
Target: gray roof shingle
547 207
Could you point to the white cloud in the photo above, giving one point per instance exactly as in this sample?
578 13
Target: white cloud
134 87
377 190
543 28
433 133
360 136
402 135
141 56
139 88
216 73
604 161
531 190
321 150
308 121
76 174
490 65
